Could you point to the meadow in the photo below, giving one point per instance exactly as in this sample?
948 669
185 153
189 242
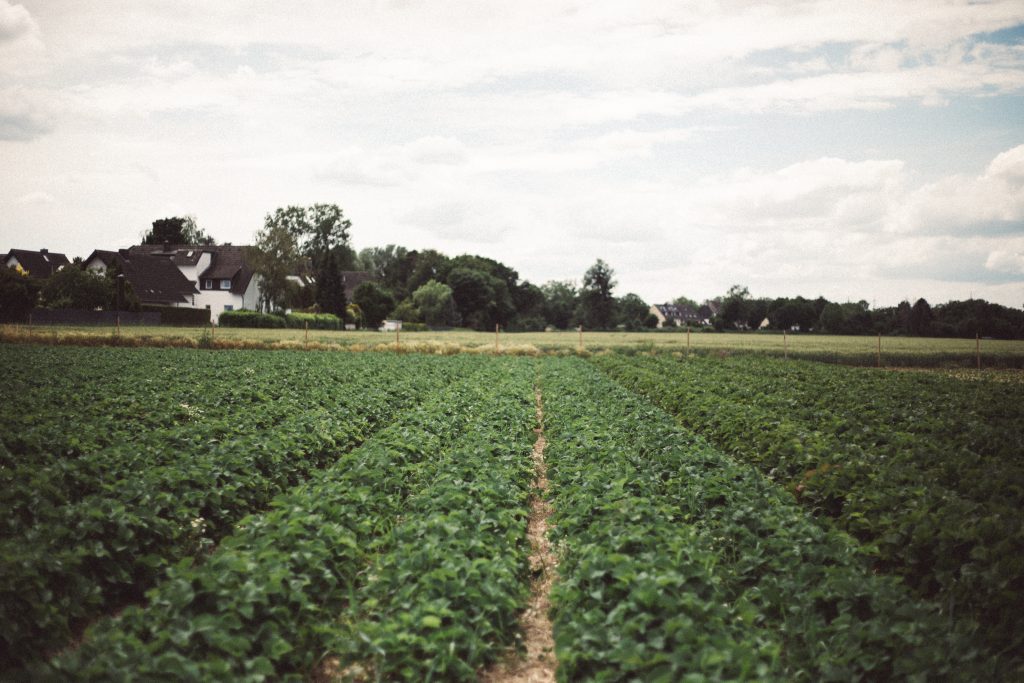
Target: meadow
851 350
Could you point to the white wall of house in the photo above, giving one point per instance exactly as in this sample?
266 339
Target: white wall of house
251 297
192 272
219 300
12 262
96 265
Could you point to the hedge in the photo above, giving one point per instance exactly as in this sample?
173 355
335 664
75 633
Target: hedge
244 318
181 317
316 321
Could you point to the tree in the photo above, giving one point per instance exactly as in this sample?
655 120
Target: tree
330 287
18 295
427 265
920 318
632 311
474 295
72 287
320 235
559 303
374 302
685 301
391 265
176 230
596 309
734 306
436 304
274 257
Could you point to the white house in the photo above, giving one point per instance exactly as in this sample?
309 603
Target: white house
223 278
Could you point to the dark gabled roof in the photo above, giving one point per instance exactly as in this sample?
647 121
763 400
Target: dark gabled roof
107 258
39 264
229 263
154 279
179 254
674 312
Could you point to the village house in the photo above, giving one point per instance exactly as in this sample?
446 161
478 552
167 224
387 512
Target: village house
671 315
39 265
222 276
154 280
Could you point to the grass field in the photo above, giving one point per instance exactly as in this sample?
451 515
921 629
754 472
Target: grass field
856 350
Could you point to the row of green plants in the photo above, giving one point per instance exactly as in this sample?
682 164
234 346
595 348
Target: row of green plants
678 562
876 408
103 550
880 470
405 559
102 416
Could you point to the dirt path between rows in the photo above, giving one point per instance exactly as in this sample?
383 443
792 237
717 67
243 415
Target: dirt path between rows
538 664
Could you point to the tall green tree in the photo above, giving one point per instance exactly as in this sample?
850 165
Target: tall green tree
559 303
596 309
318 234
274 257
330 286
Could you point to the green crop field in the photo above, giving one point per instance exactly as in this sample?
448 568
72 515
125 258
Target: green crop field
199 514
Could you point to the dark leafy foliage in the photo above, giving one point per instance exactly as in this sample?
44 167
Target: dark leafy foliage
923 469
678 562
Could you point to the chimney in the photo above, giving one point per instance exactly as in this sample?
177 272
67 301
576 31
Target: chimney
44 251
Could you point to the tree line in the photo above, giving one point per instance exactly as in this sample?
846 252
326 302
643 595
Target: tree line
437 290
738 310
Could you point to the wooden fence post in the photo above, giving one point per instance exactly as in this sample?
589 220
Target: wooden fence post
118 324
581 337
785 344
496 346
398 337
977 348
307 332
687 340
878 352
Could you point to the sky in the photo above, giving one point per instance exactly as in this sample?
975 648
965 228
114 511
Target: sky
854 150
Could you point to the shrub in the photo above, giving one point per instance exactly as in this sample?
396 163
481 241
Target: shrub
316 321
245 318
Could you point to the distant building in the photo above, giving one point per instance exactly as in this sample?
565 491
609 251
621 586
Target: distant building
671 315
391 326
223 277
39 265
154 280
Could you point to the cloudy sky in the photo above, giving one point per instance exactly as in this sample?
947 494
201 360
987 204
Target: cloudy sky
850 149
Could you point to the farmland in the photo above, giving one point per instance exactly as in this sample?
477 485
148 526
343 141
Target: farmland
247 515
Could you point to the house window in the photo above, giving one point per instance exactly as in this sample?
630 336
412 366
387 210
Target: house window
207 284
225 284
228 307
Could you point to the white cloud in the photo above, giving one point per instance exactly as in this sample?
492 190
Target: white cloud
37 197
15 22
992 202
